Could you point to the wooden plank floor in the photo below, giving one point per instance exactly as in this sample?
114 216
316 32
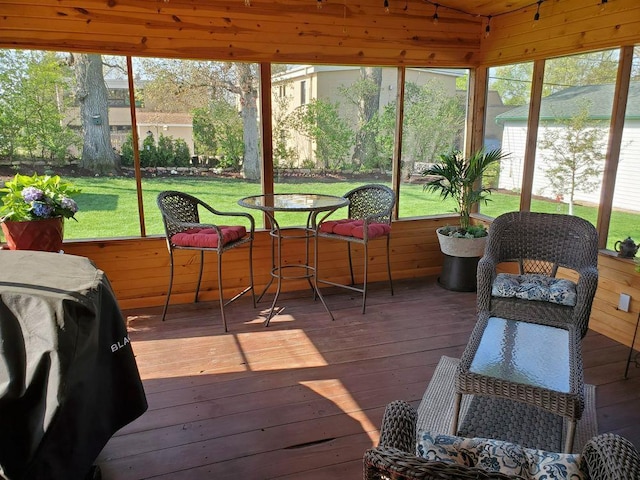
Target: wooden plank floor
304 397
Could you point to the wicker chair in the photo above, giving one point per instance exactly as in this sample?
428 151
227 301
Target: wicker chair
369 217
606 456
181 217
540 243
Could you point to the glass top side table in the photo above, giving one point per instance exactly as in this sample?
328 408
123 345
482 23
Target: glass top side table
533 363
311 203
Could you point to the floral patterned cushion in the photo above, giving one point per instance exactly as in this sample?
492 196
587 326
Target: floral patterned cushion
535 287
500 456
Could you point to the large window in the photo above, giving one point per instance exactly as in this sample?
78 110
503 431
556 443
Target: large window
199 132
333 128
341 135
197 127
434 123
506 128
575 114
60 114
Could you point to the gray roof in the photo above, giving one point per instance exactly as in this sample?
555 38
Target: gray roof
566 103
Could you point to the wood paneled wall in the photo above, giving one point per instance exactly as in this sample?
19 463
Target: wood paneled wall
139 268
565 27
616 276
339 33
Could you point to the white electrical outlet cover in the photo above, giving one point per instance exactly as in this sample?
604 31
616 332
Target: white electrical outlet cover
623 303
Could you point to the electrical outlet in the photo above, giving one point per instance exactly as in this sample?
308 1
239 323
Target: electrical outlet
623 302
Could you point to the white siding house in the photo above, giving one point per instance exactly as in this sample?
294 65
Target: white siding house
563 105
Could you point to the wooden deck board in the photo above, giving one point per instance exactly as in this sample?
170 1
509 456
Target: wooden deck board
304 397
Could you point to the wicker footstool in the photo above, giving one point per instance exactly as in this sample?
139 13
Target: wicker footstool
530 363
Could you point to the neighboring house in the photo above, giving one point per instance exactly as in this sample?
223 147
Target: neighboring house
175 125
493 130
564 105
300 84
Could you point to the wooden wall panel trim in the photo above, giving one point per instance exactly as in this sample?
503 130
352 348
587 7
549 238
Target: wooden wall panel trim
533 121
616 130
565 27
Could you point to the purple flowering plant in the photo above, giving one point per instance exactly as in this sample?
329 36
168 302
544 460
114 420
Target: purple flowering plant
37 197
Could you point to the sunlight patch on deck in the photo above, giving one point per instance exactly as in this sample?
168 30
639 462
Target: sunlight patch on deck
336 392
279 349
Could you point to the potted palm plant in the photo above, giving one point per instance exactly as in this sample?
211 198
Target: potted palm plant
33 211
460 178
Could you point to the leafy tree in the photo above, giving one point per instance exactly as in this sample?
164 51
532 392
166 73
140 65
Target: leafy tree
182 157
148 154
230 135
385 128
165 153
320 121
283 154
92 95
513 82
433 121
33 105
177 85
204 132
365 95
574 152
126 151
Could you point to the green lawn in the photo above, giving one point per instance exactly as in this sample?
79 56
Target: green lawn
108 206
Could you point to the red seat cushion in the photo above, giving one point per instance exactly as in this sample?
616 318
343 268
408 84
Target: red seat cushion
354 228
208 237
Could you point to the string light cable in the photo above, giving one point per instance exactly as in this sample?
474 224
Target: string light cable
537 4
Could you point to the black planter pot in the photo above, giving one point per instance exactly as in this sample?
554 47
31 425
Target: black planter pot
459 273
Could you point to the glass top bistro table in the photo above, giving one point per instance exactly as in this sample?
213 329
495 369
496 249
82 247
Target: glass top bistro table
311 203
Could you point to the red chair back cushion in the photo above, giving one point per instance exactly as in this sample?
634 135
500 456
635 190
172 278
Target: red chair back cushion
354 228
208 237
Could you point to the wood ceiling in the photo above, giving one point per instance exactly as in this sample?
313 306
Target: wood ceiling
487 7
341 32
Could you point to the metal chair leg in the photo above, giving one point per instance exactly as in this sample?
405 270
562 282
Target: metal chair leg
389 263
195 300
364 285
353 281
220 295
166 302
253 291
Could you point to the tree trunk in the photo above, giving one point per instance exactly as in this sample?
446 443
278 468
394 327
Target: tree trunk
365 147
91 92
248 99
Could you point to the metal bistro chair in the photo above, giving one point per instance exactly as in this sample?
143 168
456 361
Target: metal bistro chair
180 214
540 243
369 217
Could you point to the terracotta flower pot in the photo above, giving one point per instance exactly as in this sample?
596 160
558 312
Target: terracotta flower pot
44 235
